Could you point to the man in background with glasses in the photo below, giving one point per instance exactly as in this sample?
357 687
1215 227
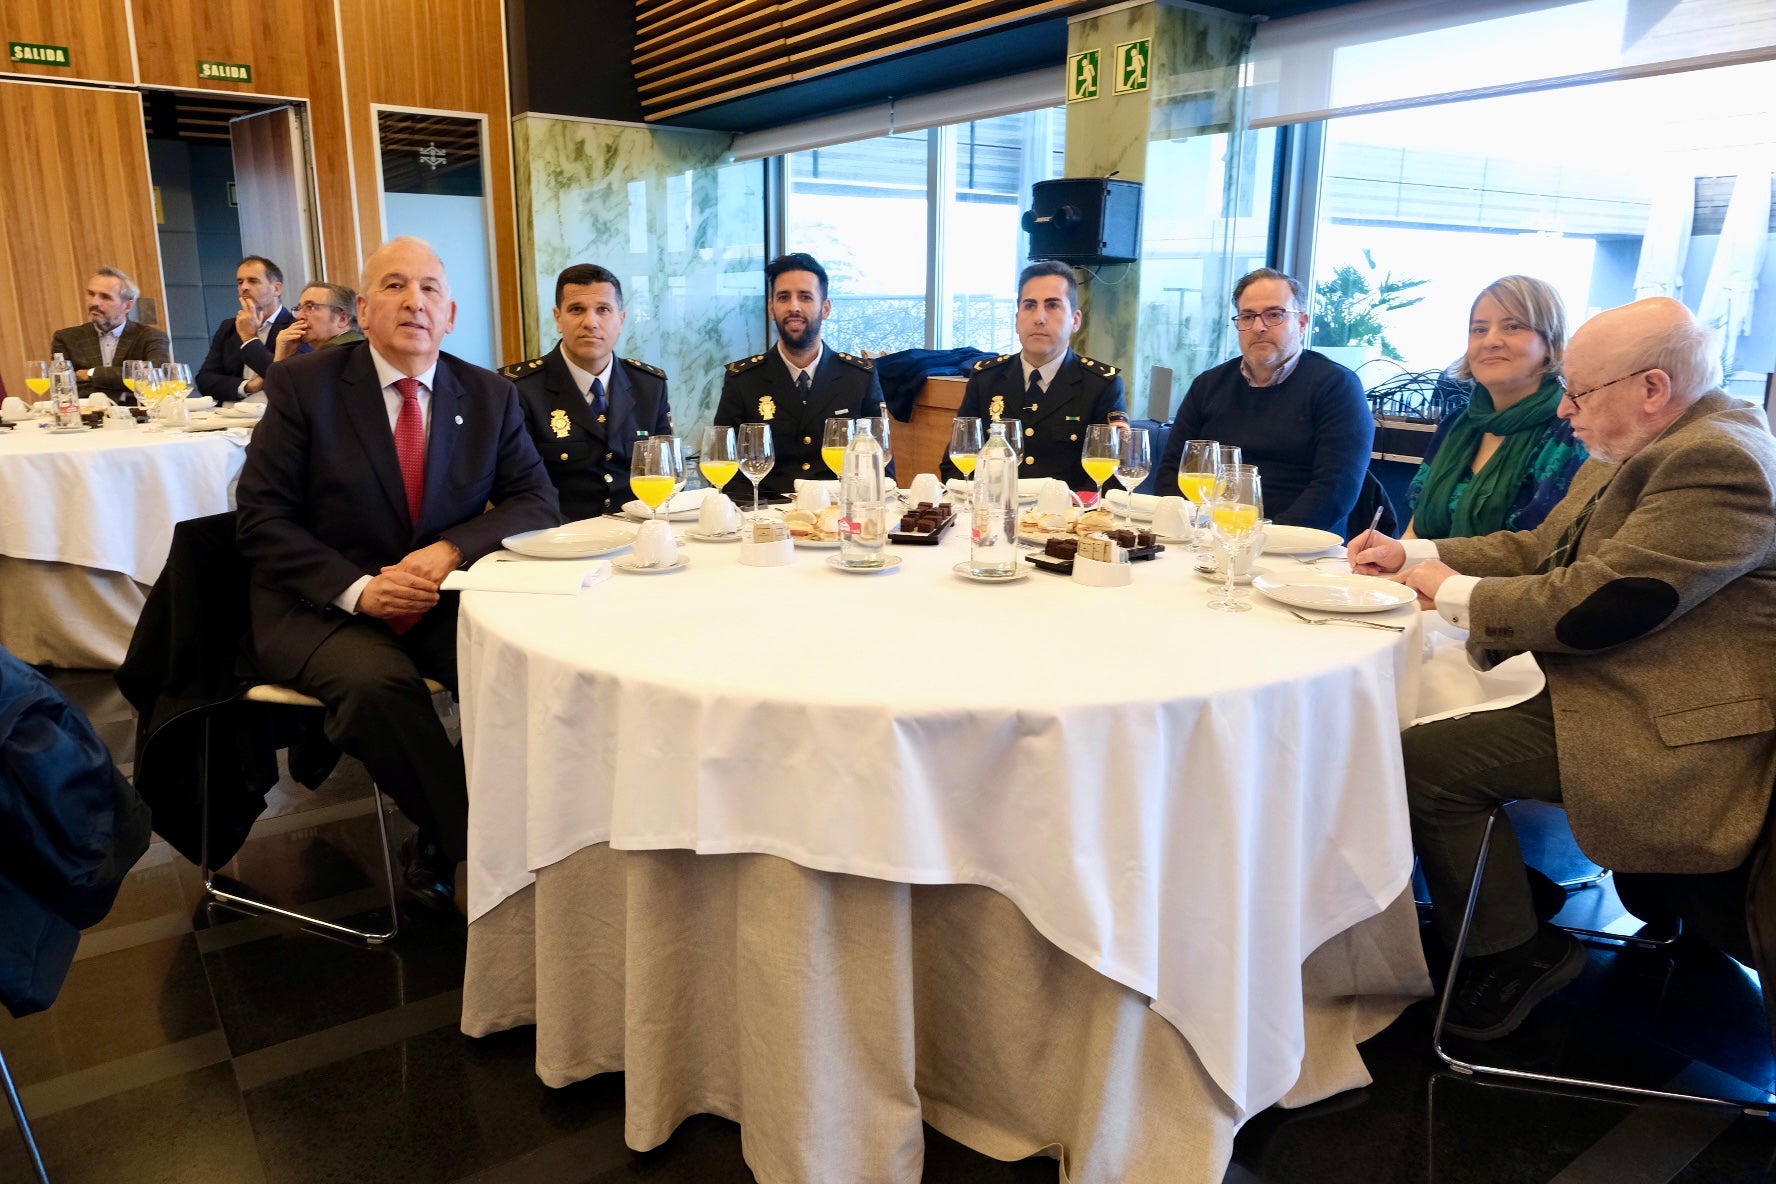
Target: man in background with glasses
584 406
1052 391
1297 415
324 320
98 349
1648 597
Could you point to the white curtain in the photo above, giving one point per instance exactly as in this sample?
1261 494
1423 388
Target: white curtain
1733 276
1666 244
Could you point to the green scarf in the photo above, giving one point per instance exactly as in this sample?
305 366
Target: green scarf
1489 495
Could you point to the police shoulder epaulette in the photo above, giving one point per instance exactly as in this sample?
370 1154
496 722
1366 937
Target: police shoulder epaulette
520 369
860 363
745 363
989 363
1097 367
644 367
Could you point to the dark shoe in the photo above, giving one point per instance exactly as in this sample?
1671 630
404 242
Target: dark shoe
1497 992
428 874
1547 896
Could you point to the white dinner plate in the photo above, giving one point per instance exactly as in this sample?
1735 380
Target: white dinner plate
814 544
837 563
967 572
66 431
586 539
1333 593
1298 540
627 563
731 537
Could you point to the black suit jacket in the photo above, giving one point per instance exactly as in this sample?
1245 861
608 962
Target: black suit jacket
759 389
220 375
321 500
1084 391
587 460
137 343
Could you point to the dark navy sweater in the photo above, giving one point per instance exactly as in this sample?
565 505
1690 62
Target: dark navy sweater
1310 437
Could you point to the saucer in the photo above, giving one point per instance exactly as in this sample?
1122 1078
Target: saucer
1214 576
889 563
967 572
701 537
627 563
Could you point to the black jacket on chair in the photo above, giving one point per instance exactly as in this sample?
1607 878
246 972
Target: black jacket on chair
189 662
71 827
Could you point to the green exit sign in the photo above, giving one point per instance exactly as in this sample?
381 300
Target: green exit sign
26 53
225 71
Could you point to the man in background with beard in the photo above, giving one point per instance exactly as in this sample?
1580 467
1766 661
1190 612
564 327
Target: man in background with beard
799 384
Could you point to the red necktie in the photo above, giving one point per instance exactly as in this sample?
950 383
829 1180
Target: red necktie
410 445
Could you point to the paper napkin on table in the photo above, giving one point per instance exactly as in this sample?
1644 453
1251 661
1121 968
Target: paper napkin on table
1028 487
685 501
544 577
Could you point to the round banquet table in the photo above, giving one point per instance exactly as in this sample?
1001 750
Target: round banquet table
1188 803
86 519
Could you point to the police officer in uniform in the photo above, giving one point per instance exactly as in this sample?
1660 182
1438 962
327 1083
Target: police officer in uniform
799 384
584 406
1051 390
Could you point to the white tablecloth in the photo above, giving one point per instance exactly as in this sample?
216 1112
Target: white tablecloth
108 499
1189 802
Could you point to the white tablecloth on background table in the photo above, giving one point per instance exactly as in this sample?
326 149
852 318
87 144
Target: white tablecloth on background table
108 499
1188 802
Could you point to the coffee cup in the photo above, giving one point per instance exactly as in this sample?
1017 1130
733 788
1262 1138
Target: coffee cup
813 496
1054 497
655 546
927 488
13 407
718 515
1171 517
1247 556
119 417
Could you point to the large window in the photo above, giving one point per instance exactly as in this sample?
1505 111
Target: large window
877 212
1607 192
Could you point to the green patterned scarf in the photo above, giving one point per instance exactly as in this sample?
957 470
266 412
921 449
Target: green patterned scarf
1489 495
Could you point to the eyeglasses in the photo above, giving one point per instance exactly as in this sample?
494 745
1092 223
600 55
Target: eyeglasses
1575 397
308 306
1272 317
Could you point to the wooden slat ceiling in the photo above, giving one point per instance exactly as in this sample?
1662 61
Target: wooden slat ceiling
691 54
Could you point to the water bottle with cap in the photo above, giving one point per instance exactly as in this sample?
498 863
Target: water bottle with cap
64 393
994 550
863 529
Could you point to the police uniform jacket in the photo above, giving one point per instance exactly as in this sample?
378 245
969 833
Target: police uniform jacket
588 460
1084 391
760 389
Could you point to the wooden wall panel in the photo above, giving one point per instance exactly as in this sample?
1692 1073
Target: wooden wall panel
95 32
172 36
462 68
63 220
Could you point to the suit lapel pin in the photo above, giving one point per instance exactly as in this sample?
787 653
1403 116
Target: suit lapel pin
459 421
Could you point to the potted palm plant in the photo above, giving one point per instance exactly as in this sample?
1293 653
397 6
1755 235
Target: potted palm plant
1350 312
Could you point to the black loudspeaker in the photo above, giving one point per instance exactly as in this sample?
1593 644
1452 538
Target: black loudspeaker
1085 220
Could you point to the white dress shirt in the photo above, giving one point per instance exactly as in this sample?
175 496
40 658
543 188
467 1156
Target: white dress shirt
795 371
583 378
108 342
1457 590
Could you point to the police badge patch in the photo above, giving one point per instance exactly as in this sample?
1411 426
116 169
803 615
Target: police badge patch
996 408
767 408
558 423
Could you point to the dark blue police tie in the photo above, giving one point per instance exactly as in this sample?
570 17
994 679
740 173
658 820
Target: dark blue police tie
599 405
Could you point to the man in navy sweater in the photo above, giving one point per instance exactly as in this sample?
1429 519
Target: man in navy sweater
1297 415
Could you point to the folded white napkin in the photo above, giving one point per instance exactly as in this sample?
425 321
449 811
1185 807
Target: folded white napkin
1140 503
97 401
546 577
199 403
685 503
243 411
1028 487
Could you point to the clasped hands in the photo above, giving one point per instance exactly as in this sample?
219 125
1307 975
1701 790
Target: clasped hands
1375 554
410 586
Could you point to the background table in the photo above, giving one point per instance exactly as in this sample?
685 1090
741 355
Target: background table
85 522
1187 803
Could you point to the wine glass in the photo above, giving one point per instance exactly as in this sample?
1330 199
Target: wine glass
757 455
37 378
175 378
656 470
1133 466
1199 472
134 379
833 443
716 456
1234 515
1101 454
965 443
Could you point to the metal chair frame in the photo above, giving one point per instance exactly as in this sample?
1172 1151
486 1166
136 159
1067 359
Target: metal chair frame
272 693
24 1123
1471 1068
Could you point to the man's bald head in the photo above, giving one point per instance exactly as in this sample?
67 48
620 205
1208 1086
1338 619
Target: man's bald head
404 306
1632 371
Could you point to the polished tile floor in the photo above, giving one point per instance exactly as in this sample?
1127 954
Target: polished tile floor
195 1046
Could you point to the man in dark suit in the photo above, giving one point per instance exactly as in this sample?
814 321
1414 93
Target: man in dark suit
99 348
1052 391
585 407
364 486
800 384
240 352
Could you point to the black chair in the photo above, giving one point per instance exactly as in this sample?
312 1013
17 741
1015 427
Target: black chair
1755 876
24 1123
1371 496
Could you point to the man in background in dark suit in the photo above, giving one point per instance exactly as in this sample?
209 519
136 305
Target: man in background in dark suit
800 384
365 485
585 406
1052 391
99 348
240 352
